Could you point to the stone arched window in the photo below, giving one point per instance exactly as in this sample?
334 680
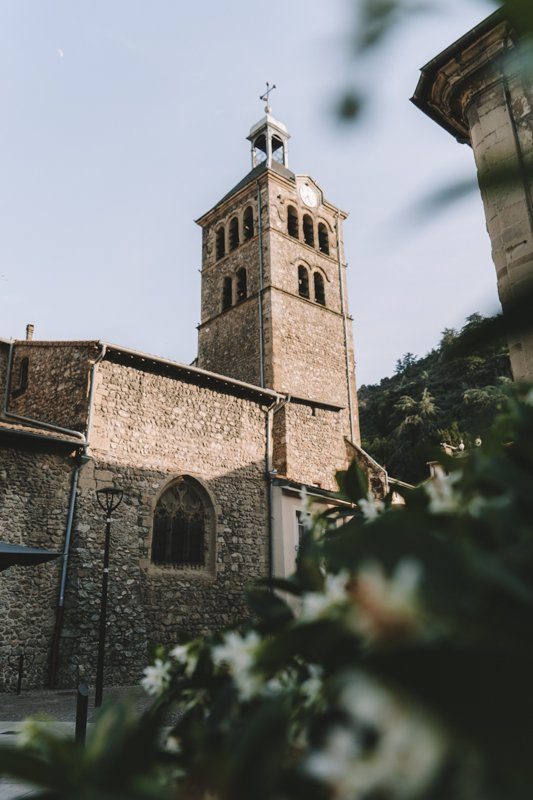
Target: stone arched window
220 243
183 526
303 281
320 294
233 233
292 222
309 230
248 223
323 238
242 289
227 292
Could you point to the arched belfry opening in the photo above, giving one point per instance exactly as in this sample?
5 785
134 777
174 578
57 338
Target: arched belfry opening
269 139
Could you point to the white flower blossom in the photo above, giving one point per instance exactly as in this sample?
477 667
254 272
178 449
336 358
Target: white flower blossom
371 507
157 677
312 687
442 497
387 607
306 517
238 654
183 654
407 748
316 605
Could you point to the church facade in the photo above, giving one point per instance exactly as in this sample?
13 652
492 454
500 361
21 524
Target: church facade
211 457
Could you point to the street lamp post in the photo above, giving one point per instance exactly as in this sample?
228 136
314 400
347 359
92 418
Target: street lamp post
109 500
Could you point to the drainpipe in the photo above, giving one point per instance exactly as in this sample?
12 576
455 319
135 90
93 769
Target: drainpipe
271 410
261 287
60 609
81 460
345 328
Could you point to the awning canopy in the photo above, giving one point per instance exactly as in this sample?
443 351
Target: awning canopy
17 554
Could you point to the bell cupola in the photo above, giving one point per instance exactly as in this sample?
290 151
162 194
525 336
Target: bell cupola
269 138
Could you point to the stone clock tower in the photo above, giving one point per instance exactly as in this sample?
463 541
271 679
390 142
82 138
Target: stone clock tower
274 309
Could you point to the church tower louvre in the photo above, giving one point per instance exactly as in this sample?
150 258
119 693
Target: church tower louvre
274 310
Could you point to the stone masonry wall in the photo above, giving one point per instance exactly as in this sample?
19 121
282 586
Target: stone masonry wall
312 445
229 343
58 382
147 429
34 492
501 129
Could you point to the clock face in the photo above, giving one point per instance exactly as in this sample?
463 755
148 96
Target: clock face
308 195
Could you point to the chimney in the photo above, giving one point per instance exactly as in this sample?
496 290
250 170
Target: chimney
29 332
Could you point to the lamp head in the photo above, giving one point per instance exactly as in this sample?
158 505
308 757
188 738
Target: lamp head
109 498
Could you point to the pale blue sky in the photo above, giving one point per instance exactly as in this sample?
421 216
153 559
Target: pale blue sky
124 120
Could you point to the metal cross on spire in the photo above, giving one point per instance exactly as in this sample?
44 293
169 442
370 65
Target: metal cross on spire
266 98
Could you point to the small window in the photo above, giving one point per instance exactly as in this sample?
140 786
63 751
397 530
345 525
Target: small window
309 231
278 150
323 238
180 522
292 222
22 380
227 293
221 243
248 223
234 233
241 284
303 281
320 295
260 150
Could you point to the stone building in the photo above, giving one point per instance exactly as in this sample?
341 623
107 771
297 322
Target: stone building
211 456
480 90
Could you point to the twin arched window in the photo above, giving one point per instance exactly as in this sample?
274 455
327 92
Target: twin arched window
292 223
241 288
293 229
183 526
318 285
234 235
220 243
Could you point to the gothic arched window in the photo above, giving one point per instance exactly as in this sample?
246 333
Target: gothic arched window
234 233
320 295
292 222
248 223
303 281
182 526
323 238
309 231
227 292
221 243
242 289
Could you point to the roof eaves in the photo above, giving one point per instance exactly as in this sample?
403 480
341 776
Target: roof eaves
202 374
253 175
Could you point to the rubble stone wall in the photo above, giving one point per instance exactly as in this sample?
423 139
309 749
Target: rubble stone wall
149 428
34 492
58 382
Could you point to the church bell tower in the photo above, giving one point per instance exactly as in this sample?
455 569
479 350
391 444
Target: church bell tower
274 310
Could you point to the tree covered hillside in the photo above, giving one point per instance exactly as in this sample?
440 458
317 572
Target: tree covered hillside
441 397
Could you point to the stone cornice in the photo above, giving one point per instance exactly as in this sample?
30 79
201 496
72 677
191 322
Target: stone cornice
450 81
